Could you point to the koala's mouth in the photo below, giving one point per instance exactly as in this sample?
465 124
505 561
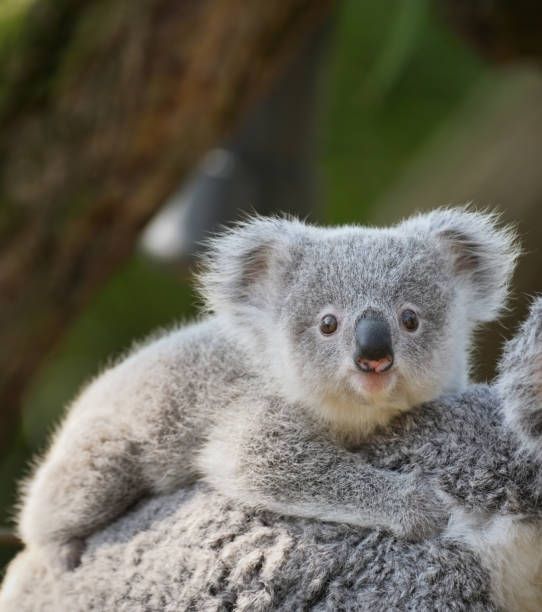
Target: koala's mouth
373 382
376 366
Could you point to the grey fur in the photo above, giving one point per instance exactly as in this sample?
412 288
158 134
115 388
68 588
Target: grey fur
196 402
197 550
520 381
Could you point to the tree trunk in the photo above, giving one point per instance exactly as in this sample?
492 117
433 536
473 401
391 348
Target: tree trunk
104 107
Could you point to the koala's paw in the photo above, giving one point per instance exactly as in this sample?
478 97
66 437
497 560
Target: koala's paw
424 513
71 552
64 556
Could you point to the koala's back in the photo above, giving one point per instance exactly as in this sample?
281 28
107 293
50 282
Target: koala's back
161 399
189 368
196 550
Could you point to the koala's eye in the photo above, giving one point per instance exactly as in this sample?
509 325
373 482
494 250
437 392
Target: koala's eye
409 319
328 324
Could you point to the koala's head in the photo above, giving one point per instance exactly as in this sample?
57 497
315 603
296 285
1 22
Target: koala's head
359 322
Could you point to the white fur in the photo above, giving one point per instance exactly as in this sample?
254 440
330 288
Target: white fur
511 549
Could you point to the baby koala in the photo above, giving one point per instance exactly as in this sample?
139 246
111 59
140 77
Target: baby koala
346 327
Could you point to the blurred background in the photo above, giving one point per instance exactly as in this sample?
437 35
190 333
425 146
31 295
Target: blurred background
129 131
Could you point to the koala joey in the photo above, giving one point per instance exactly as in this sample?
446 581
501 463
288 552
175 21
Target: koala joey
344 327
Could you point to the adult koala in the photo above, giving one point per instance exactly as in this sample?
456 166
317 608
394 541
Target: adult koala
319 336
195 550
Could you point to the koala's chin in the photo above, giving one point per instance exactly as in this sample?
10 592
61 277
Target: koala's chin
362 403
373 387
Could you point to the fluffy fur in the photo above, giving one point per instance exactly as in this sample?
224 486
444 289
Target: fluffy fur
197 402
197 550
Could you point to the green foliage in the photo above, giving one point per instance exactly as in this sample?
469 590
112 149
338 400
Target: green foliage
12 18
35 36
396 74
12 14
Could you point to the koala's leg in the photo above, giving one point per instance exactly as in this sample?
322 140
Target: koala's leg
85 482
89 479
270 455
520 381
132 432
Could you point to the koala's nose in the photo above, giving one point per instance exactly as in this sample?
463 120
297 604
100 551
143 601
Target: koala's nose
374 352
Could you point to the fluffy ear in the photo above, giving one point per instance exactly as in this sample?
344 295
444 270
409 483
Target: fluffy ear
520 381
243 266
483 254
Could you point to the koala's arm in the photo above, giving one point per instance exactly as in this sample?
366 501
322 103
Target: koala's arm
507 476
460 446
497 467
122 439
518 389
270 455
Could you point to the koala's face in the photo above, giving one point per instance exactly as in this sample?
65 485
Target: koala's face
360 323
371 318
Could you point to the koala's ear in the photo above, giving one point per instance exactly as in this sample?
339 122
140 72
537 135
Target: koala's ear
483 253
243 267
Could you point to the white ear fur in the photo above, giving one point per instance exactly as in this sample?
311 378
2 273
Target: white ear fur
242 264
484 254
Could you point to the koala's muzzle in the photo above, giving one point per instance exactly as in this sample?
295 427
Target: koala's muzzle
374 352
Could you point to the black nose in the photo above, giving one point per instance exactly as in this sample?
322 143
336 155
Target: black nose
374 350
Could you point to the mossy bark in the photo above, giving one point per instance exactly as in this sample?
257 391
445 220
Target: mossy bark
104 107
